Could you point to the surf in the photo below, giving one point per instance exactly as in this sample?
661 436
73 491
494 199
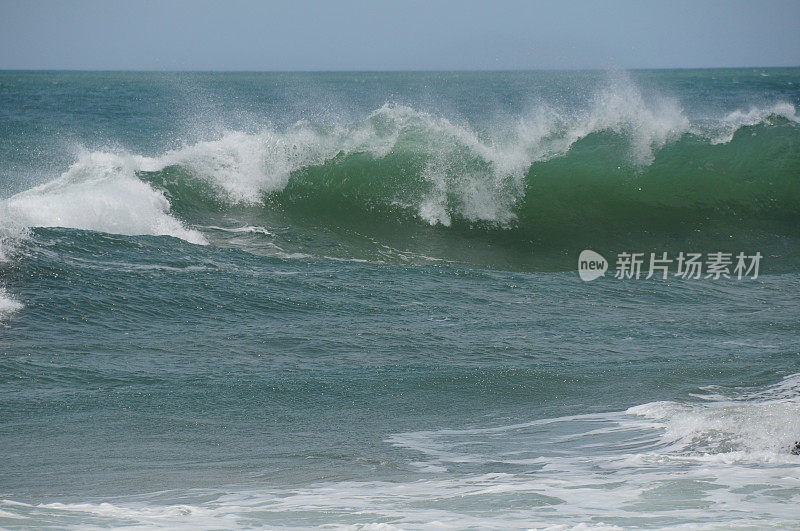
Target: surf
697 462
625 169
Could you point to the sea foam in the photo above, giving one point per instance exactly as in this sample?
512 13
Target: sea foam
99 192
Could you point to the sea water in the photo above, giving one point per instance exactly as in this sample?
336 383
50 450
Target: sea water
351 299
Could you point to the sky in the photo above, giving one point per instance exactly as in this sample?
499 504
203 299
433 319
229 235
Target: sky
393 35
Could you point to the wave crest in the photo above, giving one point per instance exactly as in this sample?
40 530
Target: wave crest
99 192
549 172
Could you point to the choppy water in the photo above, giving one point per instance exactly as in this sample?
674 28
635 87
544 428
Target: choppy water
236 300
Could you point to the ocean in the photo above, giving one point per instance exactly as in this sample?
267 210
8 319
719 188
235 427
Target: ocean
353 300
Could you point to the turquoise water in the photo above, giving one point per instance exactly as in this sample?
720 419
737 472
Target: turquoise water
352 299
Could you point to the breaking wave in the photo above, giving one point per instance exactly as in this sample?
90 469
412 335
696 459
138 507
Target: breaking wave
626 169
99 192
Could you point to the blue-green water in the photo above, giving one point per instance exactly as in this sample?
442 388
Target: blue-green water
242 300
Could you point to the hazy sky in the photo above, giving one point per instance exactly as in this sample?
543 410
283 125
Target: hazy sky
354 35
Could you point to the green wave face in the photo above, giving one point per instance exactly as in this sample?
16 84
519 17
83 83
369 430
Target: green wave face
452 202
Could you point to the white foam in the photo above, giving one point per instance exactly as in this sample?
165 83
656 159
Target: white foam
693 463
757 426
346 505
722 131
10 234
649 466
99 192
248 229
8 304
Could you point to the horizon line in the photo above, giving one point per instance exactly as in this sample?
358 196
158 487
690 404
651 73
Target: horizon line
391 71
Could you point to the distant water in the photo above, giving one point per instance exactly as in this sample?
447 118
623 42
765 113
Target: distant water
351 299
